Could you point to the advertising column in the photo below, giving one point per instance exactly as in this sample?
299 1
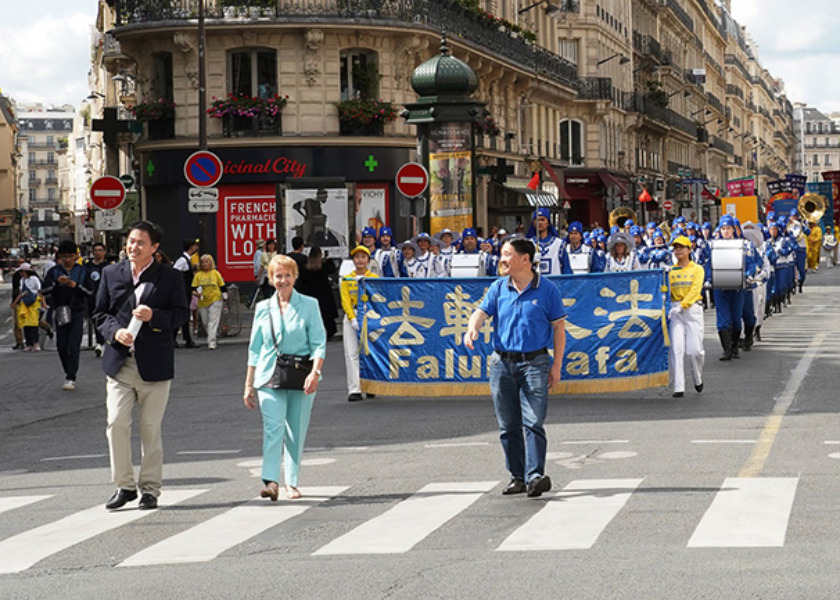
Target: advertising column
450 176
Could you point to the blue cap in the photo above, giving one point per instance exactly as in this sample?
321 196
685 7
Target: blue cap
614 229
680 219
691 225
706 225
629 223
737 222
794 212
727 221
469 232
692 238
368 231
423 236
657 233
385 230
636 230
542 212
602 238
771 215
576 226
783 221
650 225
444 231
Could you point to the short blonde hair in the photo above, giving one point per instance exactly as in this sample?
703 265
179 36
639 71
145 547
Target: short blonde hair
210 258
287 262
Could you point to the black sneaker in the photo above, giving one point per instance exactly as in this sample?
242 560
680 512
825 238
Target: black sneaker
538 486
678 394
699 387
354 398
516 486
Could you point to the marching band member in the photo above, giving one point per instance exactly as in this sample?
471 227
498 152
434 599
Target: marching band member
753 312
685 318
489 260
638 239
621 253
553 258
426 263
445 252
656 256
369 242
487 263
409 266
580 257
801 247
386 254
650 229
830 245
814 242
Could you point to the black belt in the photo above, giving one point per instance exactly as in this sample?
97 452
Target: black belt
521 356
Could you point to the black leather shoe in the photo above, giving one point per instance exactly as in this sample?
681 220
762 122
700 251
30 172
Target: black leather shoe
354 398
699 387
370 395
147 502
678 394
516 486
120 498
192 344
539 485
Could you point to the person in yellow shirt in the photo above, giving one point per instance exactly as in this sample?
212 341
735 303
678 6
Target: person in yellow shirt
685 318
815 239
352 323
209 287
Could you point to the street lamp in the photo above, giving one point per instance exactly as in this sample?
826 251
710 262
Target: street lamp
697 112
623 60
685 93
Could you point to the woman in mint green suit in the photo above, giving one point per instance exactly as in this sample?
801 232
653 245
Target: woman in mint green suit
286 323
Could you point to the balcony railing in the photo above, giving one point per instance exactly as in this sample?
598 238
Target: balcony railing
647 46
716 142
715 103
433 15
595 88
679 12
734 90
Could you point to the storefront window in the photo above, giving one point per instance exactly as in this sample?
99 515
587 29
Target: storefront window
359 74
162 76
571 141
253 73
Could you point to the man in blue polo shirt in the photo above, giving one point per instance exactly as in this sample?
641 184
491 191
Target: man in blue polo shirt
529 319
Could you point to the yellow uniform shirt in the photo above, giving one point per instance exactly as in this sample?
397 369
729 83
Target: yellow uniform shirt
350 292
687 284
210 283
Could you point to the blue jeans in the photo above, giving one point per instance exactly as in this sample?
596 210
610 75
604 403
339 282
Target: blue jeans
520 397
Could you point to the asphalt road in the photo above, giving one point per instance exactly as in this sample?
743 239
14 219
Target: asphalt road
731 493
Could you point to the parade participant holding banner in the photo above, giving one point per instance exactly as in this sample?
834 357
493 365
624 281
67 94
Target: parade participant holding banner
369 242
352 323
685 318
386 254
553 259
528 318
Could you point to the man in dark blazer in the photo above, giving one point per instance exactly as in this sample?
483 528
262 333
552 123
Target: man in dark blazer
139 304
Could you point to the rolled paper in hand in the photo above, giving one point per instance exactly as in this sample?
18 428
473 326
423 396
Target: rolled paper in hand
134 326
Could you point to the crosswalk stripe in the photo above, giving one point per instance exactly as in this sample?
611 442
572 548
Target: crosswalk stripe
400 528
747 513
20 552
209 539
575 517
13 502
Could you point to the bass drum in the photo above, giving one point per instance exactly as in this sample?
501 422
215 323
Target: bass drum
728 264
466 265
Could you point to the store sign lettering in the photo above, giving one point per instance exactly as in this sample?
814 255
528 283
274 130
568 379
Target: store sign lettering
280 165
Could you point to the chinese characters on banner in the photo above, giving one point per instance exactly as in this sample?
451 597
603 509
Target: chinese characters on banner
412 333
450 176
247 214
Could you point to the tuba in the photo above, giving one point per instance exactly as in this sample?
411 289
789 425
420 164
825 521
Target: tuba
620 215
811 207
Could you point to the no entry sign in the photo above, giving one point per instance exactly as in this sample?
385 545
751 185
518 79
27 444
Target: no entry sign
667 205
412 179
107 193
203 169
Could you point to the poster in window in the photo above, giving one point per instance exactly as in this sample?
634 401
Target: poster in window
319 216
371 207
450 176
247 215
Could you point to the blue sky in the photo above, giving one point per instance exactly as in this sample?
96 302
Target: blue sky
45 48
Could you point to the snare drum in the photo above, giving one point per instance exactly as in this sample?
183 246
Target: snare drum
728 264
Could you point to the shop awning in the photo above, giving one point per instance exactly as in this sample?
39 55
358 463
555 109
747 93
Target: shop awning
609 179
534 198
558 181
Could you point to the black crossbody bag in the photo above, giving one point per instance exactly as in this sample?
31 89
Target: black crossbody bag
290 371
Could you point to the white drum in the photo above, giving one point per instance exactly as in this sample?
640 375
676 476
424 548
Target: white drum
579 261
466 265
728 264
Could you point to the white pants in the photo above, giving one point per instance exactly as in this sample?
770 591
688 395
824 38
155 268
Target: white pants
351 357
686 331
830 257
759 300
210 316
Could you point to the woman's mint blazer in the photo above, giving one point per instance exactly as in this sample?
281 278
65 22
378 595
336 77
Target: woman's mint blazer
301 333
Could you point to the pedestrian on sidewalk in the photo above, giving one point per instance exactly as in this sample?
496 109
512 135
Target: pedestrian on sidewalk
529 318
26 304
315 282
209 287
184 265
94 265
288 324
140 303
67 289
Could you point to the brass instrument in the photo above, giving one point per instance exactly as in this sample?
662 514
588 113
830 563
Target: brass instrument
794 228
811 207
621 215
666 229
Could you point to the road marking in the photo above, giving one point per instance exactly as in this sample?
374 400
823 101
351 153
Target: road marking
575 517
587 442
187 452
400 528
755 463
457 444
20 552
13 502
747 513
74 457
209 539
723 441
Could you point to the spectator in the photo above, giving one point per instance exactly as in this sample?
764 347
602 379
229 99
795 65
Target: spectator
184 265
315 281
299 257
259 276
94 266
27 305
209 287
269 252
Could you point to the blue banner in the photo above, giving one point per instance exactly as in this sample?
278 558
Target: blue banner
412 334
824 189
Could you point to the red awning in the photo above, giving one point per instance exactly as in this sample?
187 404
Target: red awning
558 181
609 179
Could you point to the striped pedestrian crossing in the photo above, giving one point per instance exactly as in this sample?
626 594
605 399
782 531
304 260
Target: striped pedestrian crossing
741 513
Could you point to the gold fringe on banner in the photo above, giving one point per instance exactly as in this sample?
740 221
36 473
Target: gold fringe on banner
452 389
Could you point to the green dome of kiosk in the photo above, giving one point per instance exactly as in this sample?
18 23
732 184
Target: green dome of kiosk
444 75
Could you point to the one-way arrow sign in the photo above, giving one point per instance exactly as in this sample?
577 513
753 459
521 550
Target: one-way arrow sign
203 206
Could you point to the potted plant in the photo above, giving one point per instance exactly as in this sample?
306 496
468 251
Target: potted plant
244 115
159 117
365 116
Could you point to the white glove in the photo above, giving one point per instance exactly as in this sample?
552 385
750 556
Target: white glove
225 295
355 324
707 285
673 312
